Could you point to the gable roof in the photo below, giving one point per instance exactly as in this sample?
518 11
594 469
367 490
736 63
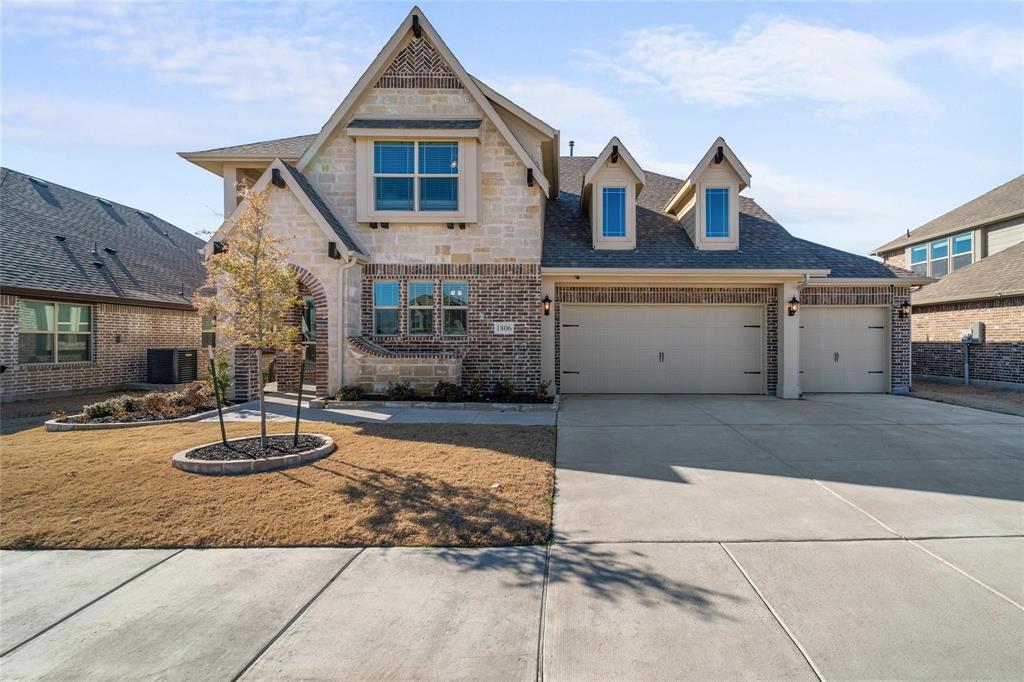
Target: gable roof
662 242
686 189
286 148
615 145
993 277
304 191
149 260
1001 203
383 60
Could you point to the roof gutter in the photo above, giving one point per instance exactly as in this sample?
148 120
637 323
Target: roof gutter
872 281
50 294
963 299
684 272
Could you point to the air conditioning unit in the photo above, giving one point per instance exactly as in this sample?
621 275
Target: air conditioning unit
172 365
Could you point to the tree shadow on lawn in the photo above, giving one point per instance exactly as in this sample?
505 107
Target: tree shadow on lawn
607 575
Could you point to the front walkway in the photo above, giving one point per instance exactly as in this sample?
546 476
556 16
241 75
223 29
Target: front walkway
857 536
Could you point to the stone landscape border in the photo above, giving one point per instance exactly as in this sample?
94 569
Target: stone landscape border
54 425
431 405
249 466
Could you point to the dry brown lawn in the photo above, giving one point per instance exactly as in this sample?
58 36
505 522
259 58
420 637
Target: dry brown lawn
415 484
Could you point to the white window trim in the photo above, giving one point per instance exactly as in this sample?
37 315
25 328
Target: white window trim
410 307
444 330
468 181
398 332
56 332
628 241
729 242
928 260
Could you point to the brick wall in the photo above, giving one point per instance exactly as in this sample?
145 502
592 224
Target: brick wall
893 297
114 364
936 339
766 296
497 293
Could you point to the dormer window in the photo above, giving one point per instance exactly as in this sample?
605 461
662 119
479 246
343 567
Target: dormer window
716 205
613 211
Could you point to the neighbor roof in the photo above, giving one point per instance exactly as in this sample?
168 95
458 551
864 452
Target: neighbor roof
1005 201
287 148
149 260
661 241
993 277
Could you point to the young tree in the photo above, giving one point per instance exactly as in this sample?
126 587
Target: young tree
256 289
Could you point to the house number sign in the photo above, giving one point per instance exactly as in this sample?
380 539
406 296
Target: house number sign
504 328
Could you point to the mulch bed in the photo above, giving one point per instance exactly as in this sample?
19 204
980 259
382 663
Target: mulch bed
249 448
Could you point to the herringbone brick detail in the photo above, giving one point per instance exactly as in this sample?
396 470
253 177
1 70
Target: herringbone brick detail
419 65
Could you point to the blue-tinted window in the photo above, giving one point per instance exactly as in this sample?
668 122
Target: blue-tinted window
919 259
393 157
613 212
394 194
439 158
962 251
439 194
385 294
716 212
385 307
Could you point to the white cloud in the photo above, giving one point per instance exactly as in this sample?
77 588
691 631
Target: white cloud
847 72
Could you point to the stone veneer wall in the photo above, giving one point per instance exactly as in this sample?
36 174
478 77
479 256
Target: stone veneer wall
114 365
511 213
759 295
937 349
497 293
372 367
287 364
874 295
896 258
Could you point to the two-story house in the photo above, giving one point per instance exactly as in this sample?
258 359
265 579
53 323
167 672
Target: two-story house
439 234
976 252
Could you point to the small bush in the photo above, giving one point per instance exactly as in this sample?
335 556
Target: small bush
448 392
542 389
222 369
476 387
104 408
154 404
504 390
350 392
196 396
400 390
59 416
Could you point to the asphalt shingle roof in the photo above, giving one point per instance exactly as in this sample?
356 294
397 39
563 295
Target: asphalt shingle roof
285 148
1004 201
151 260
417 123
999 275
663 243
326 212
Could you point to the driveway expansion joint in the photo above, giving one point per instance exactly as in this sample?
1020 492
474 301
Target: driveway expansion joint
966 574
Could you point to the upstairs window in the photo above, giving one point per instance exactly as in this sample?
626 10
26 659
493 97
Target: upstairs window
716 212
613 212
939 256
963 253
416 176
919 259
54 332
386 301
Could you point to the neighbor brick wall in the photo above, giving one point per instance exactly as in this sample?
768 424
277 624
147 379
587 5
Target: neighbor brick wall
893 297
497 293
766 296
896 258
114 364
939 352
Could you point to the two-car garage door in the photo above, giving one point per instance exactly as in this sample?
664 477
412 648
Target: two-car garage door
662 349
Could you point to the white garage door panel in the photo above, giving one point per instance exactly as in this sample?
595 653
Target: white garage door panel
844 350
661 349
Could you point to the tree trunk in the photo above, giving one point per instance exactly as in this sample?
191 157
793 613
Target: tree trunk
263 404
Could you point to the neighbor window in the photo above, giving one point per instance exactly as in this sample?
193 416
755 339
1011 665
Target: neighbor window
919 259
939 256
54 332
416 176
716 212
209 336
455 307
421 307
613 212
385 307
962 251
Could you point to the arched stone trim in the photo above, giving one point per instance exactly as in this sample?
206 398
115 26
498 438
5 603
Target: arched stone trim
287 365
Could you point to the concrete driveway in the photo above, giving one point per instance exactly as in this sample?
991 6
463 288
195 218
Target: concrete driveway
697 538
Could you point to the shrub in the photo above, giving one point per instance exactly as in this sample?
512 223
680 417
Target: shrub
400 390
118 406
475 388
196 396
542 389
448 392
350 392
504 389
222 375
154 404
59 416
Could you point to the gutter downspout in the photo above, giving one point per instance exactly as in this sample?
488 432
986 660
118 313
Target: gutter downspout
344 311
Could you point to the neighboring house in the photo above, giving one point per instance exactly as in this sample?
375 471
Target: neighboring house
86 286
976 251
440 235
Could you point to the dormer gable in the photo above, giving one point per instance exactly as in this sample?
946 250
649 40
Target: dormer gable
610 188
707 205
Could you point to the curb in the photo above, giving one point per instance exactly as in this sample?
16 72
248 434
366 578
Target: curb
249 466
430 405
54 425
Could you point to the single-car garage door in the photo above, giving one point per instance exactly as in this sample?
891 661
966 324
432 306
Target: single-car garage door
844 350
661 349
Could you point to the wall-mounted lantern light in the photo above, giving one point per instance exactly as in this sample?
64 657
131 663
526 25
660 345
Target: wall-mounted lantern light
547 304
792 306
903 310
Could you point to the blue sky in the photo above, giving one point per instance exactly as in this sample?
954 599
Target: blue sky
856 120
